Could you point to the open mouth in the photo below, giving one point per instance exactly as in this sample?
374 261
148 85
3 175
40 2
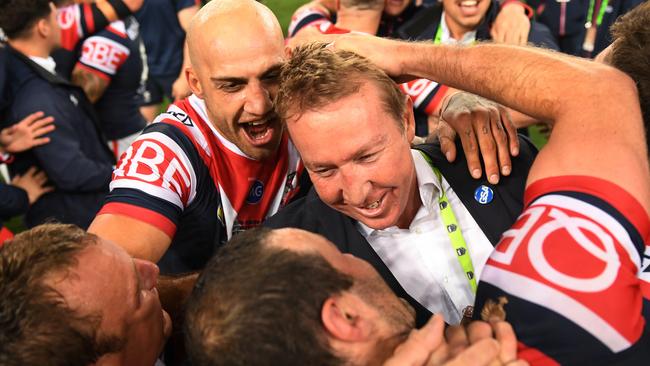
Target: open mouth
373 209
468 7
259 132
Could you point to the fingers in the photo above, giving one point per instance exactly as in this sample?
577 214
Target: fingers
31 118
478 330
481 353
446 138
511 130
417 348
482 125
504 333
501 139
457 339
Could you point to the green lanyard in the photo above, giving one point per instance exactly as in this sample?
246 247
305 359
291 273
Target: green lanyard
601 13
438 38
453 230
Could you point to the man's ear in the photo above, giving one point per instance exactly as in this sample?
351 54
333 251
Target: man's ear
409 119
42 28
193 82
343 319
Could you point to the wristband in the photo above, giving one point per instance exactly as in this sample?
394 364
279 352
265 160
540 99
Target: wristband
120 8
529 11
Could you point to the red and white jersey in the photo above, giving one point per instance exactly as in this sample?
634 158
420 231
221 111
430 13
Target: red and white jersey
307 16
574 271
75 21
183 177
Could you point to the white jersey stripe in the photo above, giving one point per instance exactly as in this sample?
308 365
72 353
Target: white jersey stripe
552 299
596 214
151 189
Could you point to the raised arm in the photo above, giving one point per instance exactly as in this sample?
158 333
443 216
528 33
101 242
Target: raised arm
590 131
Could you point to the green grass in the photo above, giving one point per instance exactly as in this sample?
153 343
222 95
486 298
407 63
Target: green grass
283 9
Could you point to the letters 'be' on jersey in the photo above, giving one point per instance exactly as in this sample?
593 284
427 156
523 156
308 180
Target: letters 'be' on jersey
572 275
184 178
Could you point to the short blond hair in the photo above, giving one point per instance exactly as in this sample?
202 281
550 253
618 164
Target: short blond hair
316 76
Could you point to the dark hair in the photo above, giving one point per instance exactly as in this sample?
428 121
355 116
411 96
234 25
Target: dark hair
316 76
256 304
17 17
36 325
631 52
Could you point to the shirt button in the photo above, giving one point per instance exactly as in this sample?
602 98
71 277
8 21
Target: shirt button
418 231
445 279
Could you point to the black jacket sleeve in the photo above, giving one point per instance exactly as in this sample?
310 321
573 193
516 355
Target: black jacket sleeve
13 201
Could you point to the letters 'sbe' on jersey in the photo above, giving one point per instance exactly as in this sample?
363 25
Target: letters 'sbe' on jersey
425 94
184 178
117 55
573 276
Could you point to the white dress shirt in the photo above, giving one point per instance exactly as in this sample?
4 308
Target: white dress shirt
422 257
47 63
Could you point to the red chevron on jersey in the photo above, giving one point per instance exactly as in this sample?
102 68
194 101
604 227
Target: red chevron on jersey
574 258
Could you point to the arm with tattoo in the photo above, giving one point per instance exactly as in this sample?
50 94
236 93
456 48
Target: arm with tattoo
93 85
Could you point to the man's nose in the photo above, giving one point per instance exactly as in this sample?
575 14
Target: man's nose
258 100
355 186
147 273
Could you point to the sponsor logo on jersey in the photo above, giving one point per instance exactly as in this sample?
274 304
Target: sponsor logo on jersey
256 192
104 54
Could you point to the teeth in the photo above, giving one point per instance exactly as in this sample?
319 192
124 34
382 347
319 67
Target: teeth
373 205
469 3
257 123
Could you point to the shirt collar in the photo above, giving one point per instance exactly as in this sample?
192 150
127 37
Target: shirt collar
428 185
446 38
47 63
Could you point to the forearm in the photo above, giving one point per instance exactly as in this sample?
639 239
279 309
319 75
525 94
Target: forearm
532 81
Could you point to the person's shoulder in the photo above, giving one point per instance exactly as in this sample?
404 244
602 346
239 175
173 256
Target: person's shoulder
303 213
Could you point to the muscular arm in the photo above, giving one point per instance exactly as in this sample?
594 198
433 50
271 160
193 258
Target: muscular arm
93 85
138 238
590 131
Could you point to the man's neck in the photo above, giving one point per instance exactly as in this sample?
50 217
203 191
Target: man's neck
456 31
30 47
366 21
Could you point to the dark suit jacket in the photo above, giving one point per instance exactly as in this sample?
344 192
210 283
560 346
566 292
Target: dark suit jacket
312 214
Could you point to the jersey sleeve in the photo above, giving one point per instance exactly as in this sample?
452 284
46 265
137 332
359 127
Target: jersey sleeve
305 17
79 21
103 56
425 94
154 180
569 274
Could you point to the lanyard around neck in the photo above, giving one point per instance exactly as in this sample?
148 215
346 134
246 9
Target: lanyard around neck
601 13
453 229
438 37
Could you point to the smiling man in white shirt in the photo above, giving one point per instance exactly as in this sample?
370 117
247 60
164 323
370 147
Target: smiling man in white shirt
424 223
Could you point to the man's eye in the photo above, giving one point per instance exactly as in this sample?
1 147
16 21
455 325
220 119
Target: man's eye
367 158
230 88
324 173
272 77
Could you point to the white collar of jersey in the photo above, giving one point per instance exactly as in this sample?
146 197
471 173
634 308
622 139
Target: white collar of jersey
199 106
446 38
428 185
47 63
